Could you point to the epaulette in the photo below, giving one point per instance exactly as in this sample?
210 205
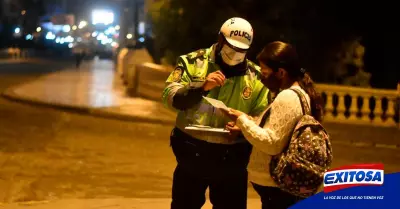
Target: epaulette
253 69
196 54
251 66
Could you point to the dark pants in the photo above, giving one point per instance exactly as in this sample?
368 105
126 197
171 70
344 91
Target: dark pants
274 198
79 59
202 165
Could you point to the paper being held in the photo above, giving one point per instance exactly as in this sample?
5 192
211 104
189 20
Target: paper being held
206 129
216 103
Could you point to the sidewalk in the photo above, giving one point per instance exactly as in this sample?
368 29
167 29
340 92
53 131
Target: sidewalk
92 89
20 60
144 203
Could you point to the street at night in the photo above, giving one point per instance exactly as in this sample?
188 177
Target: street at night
90 91
52 154
46 153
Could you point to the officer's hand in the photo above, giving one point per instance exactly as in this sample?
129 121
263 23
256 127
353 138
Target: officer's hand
213 80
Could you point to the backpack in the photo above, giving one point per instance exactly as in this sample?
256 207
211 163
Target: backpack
299 169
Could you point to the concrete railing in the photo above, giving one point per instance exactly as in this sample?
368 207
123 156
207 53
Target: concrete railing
346 104
343 104
126 65
150 80
15 53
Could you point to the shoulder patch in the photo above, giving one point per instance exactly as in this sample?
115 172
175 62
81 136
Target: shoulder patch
177 74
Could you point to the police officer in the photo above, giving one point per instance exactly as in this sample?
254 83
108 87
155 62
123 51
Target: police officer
207 159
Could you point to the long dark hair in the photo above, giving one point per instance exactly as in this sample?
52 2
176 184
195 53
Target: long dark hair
283 55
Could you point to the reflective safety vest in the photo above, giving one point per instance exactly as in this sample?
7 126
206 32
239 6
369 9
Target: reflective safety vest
244 93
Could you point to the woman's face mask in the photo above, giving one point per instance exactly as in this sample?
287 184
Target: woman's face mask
269 78
232 57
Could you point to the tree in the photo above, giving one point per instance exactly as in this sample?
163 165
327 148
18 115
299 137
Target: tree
318 29
34 10
195 24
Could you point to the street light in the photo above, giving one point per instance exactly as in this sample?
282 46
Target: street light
114 44
82 24
38 29
74 27
66 28
129 36
29 37
69 39
102 17
50 36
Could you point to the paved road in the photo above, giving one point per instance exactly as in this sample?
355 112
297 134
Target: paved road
46 153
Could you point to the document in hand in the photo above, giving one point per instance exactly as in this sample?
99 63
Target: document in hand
216 103
206 128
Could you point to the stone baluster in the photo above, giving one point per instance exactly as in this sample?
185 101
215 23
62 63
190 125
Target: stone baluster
353 108
329 106
378 111
365 109
341 108
390 112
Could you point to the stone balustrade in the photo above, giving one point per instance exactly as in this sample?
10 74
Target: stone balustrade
354 105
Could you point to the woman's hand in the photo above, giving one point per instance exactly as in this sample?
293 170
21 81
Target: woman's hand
232 113
232 128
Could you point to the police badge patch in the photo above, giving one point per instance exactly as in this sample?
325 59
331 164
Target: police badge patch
246 93
177 74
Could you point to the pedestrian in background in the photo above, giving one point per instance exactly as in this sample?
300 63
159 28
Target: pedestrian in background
79 52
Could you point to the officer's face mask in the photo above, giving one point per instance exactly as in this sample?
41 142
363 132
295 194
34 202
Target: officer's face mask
232 57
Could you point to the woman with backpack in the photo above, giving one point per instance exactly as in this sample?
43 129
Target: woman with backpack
283 174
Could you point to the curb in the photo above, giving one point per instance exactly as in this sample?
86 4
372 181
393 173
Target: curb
10 95
96 112
100 112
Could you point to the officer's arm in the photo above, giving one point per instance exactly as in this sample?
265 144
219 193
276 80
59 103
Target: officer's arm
188 97
179 93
